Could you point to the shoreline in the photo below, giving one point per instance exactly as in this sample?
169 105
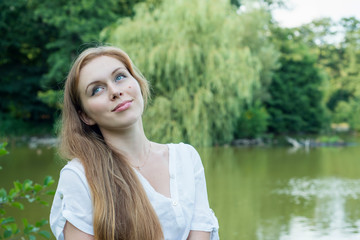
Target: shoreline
296 141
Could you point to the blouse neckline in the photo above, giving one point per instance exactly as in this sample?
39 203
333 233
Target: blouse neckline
147 184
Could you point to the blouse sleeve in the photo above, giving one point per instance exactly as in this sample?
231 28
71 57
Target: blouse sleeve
204 218
72 203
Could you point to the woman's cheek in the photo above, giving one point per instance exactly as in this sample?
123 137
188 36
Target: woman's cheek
95 106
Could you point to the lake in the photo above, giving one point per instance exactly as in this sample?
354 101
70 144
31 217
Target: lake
258 193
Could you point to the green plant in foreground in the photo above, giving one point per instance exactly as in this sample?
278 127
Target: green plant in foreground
26 191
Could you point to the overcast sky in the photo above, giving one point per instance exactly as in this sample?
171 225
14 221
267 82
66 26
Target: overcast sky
304 11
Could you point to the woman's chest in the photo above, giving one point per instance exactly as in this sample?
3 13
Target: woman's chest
175 210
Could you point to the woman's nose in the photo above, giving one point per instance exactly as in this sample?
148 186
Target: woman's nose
115 91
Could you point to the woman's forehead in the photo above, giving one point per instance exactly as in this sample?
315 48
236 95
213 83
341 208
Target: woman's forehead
102 62
100 66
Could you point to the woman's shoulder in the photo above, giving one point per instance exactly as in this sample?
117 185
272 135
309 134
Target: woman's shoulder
173 148
182 148
73 173
186 154
72 200
74 165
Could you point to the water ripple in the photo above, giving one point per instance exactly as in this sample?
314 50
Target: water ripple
305 188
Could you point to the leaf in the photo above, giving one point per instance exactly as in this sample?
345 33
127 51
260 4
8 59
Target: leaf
3 195
32 237
3 152
12 193
41 223
50 192
18 186
3 145
30 199
37 187
25 222
7 233
18 205
29 229
45 234
44 203
27 185
8 220
2 149
48 181
14 228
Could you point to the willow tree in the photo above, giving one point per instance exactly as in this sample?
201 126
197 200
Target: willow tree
200 71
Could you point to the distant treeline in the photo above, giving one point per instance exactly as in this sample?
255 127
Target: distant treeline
219 69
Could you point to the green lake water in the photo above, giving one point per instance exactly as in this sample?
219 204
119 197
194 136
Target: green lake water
262 193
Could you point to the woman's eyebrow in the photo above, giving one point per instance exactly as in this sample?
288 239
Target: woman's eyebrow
116 69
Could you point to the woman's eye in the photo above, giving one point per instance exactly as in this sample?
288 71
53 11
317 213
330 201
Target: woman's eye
96 90
119 77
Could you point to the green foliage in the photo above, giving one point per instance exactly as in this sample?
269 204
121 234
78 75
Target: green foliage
22 64
202 71
26 191
51 98
349 112
210 67
338 96
296 104
253 122
269 3
341 62
11 126
329 139
256 24
3 151
75 23
39 41
348 108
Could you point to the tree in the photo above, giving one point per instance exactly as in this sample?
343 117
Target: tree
256 24
296 100
201 72
78 23
21 66
39 41
346 106
337 46
257 20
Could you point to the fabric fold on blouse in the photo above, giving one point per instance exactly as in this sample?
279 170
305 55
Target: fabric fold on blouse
72 201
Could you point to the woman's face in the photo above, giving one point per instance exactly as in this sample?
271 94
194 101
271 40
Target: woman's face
110 95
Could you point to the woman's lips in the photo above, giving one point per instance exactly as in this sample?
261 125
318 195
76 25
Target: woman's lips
122 106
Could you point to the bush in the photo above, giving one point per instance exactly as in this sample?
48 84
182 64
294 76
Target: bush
26 191
253 122
348 112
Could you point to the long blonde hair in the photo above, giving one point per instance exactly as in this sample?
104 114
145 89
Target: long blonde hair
121 209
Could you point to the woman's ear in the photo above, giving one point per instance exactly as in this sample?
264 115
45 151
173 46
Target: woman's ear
86 119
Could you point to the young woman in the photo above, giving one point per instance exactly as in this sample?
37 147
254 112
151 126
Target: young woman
118 184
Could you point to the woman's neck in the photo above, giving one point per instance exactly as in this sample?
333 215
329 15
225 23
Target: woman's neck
130 142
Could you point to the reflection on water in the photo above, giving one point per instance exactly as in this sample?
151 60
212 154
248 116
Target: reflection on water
330 220
302 228
273 193
334 188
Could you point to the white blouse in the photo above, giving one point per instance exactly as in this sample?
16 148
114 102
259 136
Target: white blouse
187 209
